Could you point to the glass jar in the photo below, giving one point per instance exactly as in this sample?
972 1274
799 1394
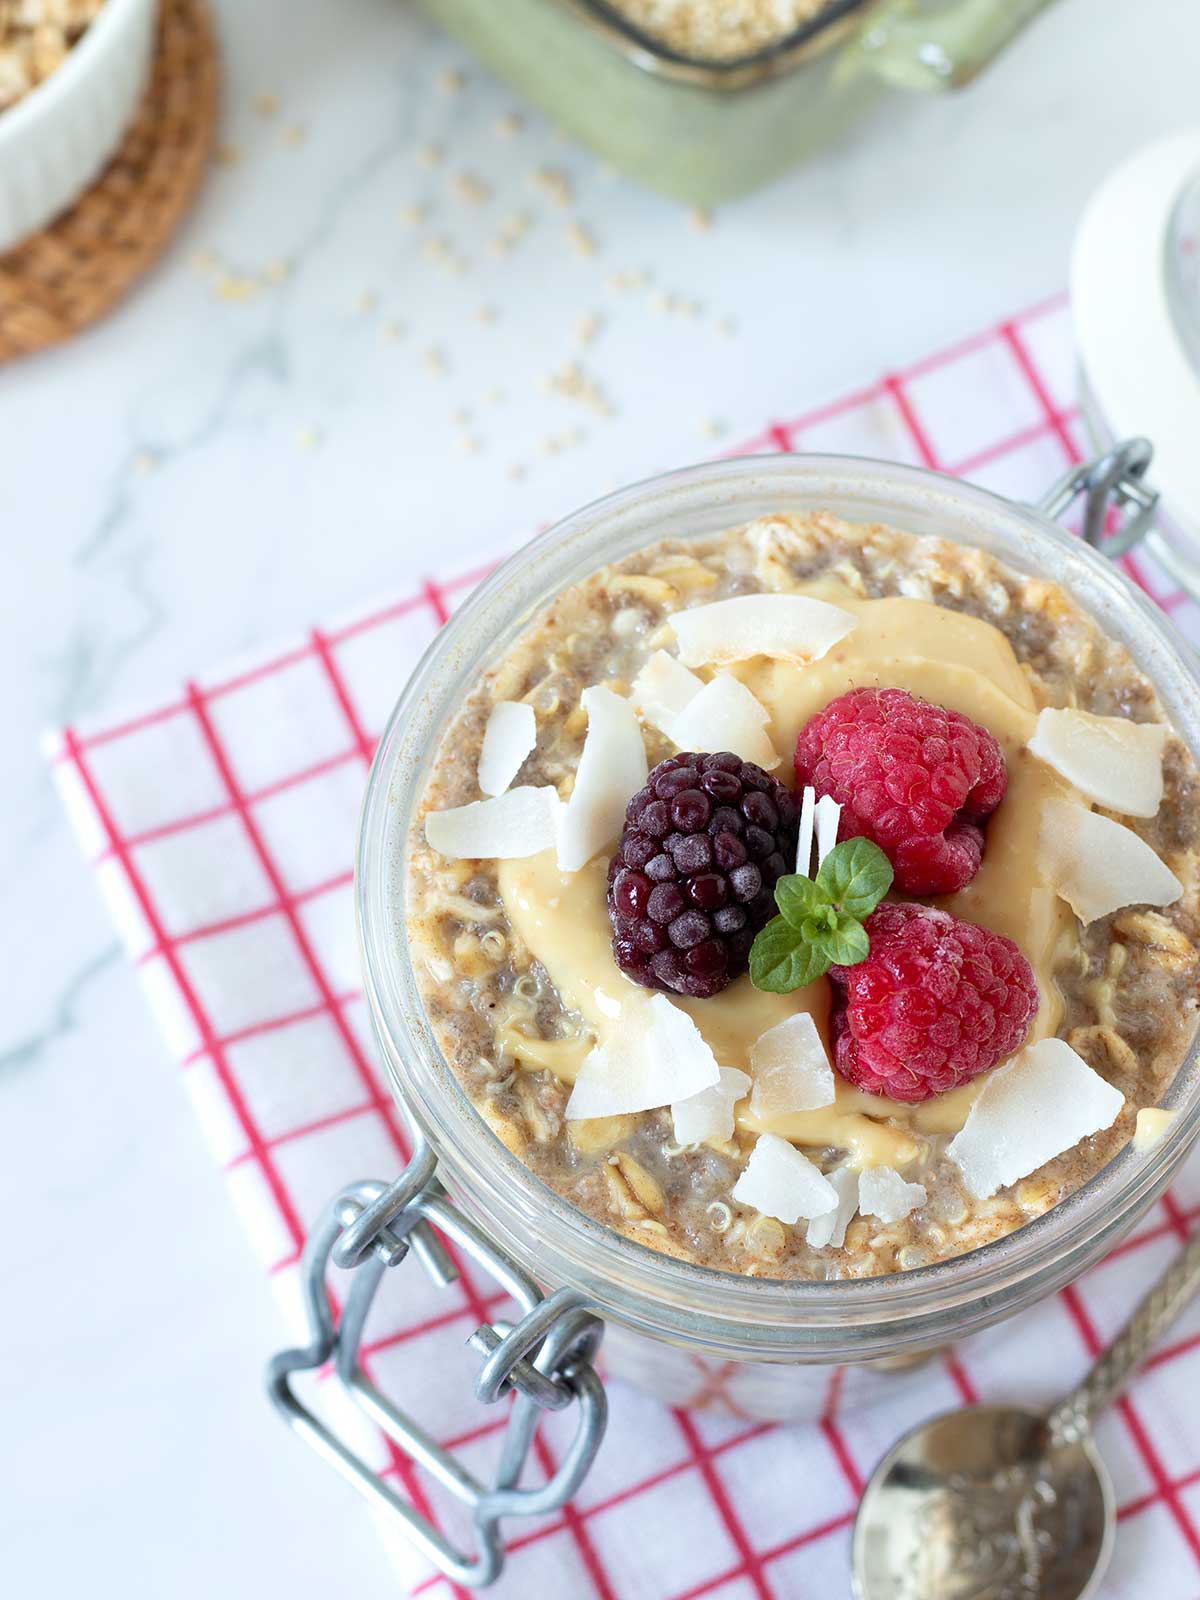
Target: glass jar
706 131
684 1332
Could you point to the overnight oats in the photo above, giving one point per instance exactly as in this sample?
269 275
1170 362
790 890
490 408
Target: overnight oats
811 900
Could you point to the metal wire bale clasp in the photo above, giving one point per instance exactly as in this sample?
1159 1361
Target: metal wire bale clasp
1116 478
545 1357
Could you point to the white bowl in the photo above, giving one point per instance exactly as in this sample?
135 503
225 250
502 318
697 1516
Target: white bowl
57 140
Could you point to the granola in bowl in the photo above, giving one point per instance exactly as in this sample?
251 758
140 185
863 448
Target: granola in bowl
736 1118
35 36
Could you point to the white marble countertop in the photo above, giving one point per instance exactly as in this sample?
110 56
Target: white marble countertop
259 437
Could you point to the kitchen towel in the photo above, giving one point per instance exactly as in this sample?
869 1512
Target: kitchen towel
220 822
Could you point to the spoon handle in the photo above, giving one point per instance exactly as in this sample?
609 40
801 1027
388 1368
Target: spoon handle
1072 1418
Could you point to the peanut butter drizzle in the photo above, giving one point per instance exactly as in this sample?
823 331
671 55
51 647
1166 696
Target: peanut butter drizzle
954 660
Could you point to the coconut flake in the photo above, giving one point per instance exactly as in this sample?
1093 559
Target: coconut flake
828 1231
804 839
780 1182
709 1115
791 1070
1098 865
520 822
789 627
726 716
1115 762
510 735
654 1056
828 814
612 767
663 689
883 1193
1031 1109
1152 1123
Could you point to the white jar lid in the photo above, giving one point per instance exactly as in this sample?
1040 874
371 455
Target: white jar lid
1135 362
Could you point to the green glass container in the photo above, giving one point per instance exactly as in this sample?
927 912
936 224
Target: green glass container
706 131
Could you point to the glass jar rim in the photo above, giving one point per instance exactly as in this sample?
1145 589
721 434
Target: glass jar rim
718 1312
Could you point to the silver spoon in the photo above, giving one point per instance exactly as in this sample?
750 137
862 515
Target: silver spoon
999 1502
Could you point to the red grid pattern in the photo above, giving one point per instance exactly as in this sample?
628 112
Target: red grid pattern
684 1504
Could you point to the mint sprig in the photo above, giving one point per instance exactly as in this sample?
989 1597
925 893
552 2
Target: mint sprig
820 921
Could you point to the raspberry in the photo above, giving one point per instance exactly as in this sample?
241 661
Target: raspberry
936 1002
693 878
916 779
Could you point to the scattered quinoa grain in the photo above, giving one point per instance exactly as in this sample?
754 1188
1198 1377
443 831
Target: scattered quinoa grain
581 238
235 286
572 382
470 188
554 185
627 279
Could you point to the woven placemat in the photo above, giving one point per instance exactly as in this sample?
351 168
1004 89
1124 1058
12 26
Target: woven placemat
74 271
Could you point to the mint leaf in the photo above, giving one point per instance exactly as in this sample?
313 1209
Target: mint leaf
821 920
845 945
855 875
799 898
816 927
781 960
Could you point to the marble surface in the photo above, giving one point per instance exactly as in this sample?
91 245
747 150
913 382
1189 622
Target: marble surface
262 435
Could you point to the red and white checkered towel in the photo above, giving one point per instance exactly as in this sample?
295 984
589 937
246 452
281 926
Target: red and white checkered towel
221 822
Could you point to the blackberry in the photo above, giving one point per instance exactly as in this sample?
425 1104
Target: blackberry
693 878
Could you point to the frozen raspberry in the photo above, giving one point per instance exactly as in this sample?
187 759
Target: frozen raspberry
693 878
916 779
936 1002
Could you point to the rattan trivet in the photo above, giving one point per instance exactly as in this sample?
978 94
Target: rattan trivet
75 270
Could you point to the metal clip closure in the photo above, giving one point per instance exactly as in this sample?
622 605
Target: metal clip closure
1117 478
1113 479
545 1357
